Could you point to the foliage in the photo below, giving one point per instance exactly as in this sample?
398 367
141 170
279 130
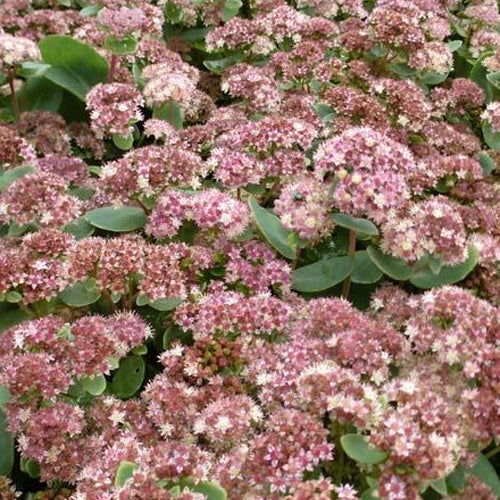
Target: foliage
248 249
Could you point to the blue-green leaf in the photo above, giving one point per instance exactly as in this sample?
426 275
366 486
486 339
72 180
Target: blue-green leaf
74 66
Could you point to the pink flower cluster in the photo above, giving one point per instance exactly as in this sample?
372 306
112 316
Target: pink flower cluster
113 108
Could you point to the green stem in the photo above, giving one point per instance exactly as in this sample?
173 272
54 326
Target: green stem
346 287
493 452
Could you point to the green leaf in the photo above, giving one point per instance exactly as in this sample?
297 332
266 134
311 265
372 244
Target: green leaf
124 472
167 304
40 93
75 65
365 271
128 378
370 494
120 47
325 112
174 13
360 225
142 300
273 230
90 10
439 485
5 396
230 9
94 385
6 447
12 318
78 295
219 65
211 490
454 45
79 228
123 142
31 69
486 472
13 297
478 75
456 479
14 174
358 448
170 112
117 219
494 79
433 78
447 275
491 138
487 163
31 467
322 274
394 268
402 69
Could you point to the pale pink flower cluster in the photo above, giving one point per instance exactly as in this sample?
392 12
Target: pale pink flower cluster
432 227
492 115
211 210
369 172
433 57
113 108
39 198
16 49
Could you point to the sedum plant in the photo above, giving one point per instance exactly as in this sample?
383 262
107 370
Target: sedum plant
249 249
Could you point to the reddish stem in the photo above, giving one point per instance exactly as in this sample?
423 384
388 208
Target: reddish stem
346 287
112 67
13 98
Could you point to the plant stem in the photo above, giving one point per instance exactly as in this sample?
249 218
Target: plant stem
112 67
297 256
493 452
13 98
346 287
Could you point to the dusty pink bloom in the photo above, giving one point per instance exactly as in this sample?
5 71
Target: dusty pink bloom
39 198
15 50
121 22
210 209
433 57
370 172
304 207
492 115
113 108
255 85
432 227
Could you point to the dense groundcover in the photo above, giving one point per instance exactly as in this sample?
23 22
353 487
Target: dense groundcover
248 249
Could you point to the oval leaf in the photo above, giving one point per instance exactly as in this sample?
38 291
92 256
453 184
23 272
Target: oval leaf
94 385
74 66
79 228
12 175
211 491
11 318
486 472
358 448
360 225
6 447
117 219
273 230
128 378
78 295
125 471
365 271
322 274
447 275
167 304
394 268
123 142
